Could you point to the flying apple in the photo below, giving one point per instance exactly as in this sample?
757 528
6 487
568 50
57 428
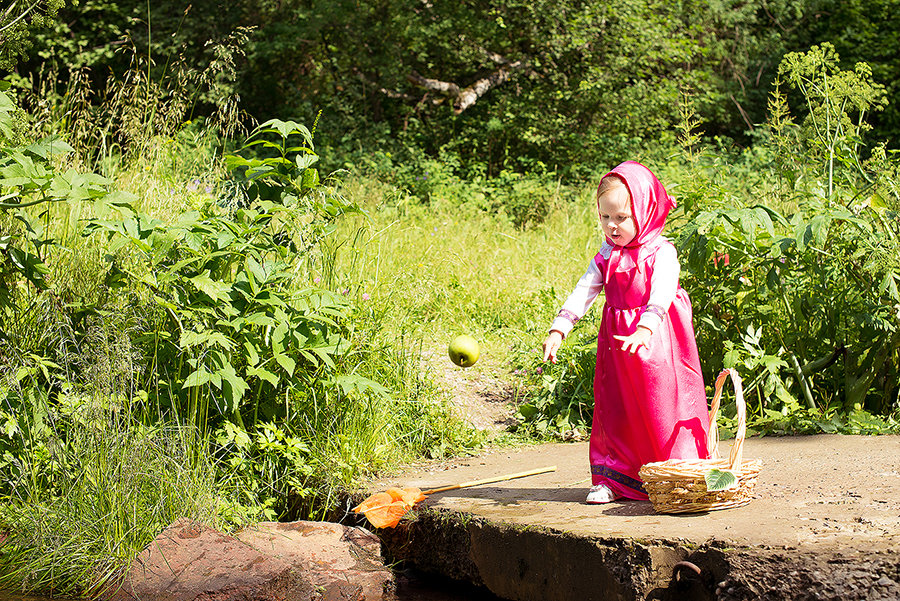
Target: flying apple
464 351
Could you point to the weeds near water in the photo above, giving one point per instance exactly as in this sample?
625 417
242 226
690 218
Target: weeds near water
109 486
91 465
354 431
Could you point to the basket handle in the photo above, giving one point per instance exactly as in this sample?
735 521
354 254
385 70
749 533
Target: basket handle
737 449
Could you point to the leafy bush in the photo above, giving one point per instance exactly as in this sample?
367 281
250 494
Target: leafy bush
209 318
800 291
561 401
221 279
240 346
31 184
795 284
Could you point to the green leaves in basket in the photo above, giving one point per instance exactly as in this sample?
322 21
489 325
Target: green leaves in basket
717 479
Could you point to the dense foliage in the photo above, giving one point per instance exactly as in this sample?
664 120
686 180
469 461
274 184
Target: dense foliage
204 332
523 86
18 20
860 32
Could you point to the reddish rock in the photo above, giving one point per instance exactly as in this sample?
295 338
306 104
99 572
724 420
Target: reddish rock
298 561
342 562
192 562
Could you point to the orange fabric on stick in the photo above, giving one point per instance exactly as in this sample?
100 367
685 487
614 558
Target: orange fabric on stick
385 509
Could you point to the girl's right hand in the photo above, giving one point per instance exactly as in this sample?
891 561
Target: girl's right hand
551 345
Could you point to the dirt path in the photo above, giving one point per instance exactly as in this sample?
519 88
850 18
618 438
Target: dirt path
483 396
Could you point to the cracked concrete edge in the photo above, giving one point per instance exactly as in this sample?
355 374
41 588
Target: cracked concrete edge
542 564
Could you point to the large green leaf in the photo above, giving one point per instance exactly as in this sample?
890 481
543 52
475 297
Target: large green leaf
263 374
286 363
233 387
202 376
29 265
310 179
307 159
717 480
217 291
49 147
190 338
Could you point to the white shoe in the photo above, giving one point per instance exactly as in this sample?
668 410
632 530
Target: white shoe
601 493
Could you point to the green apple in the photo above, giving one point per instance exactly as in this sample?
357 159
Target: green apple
464 351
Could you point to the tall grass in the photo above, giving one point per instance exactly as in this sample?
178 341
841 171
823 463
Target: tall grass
355 434
92 498
445 268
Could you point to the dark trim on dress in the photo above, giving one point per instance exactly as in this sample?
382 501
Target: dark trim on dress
602 470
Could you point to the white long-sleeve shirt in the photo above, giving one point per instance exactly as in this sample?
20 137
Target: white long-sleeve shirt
663 287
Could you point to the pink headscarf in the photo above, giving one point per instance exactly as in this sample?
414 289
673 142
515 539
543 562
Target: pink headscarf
651 205
649 201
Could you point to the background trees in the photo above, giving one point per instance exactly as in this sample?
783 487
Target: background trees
514 84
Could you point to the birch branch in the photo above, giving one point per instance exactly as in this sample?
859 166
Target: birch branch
471 94
389 93
447 88
463 98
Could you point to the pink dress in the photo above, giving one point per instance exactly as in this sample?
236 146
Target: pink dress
649 406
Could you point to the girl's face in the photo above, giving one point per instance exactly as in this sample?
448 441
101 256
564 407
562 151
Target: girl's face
616 217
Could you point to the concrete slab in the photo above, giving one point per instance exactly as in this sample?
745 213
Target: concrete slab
825 522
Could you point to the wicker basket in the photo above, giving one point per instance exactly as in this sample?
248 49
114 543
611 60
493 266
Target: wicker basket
679 486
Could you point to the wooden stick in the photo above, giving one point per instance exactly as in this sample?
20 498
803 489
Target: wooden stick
542 470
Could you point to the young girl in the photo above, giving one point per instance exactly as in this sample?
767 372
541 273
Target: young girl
649 398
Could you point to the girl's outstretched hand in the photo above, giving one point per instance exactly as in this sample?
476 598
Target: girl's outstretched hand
640 338
551 345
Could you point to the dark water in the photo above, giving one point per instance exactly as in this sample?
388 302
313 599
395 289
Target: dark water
413 585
